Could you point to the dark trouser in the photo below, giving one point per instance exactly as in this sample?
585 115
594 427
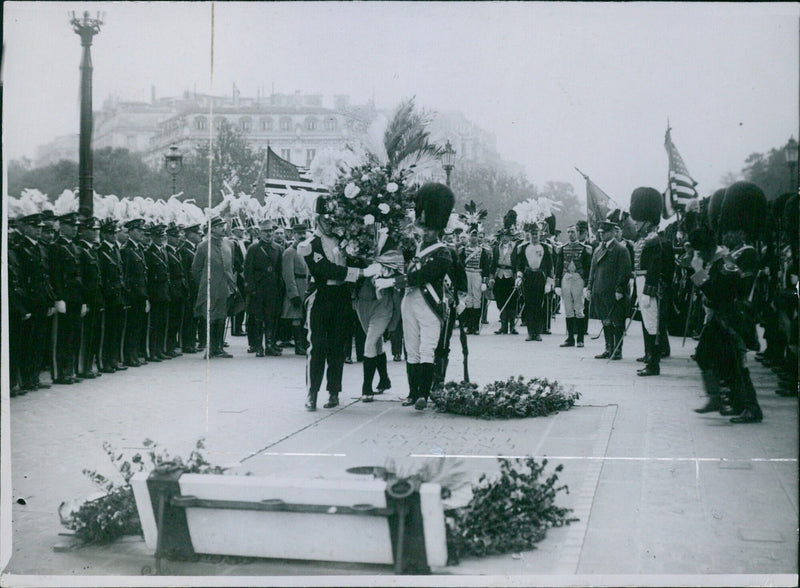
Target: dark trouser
112 324
503 288
327 338
189 324
174 325
29 342
353 330
136 325
652 349
664 304
396 339
90 340
16 357
260 331
46 350
68 341
533 283
159 313
238 322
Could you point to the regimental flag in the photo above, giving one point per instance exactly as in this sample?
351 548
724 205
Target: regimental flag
598 203
680 185
280 169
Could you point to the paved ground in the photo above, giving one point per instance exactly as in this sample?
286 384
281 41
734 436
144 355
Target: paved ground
658 489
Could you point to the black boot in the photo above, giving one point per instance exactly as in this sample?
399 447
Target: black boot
333 400
384 383
711 384
300 344
424 382
369 375
653 366
608 335
579 330
503 330
619 334
311 401
220 337
752 411
570 341
413 386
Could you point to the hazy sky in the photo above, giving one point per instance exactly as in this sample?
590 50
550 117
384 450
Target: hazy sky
559 84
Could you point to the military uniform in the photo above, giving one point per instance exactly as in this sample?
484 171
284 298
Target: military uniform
135 278
189 326
93 298
263 284
504 260
178 291
534 271
573 263
477 263
295 284
18 316
158 293
113 324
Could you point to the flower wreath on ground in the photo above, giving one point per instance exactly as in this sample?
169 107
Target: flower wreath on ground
512 398
369 204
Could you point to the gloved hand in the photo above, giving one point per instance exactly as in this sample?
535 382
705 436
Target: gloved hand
645 301
61 307
697 262
381 283
460 307
146 306
518 282
372 270
26 317
483 287
618 295
84 310
548 286
587 295
558 291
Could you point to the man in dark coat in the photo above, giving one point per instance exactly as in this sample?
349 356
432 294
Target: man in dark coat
535 279
158 294
135 279
189 327
65 276
503 263
113 289
240 246
263 284
608 289
178 290
37 295
92 296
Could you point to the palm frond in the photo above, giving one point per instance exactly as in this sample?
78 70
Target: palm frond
406 134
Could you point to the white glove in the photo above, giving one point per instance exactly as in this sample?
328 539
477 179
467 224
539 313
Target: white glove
645 301
518 282
26 317
558 291
586 294
381 283
51 311
372 270
84 310
146 306
460 307
548 286
61 307
793 279
483 287
618 295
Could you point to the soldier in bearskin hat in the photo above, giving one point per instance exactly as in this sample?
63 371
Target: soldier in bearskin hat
426 303
333 280
652 262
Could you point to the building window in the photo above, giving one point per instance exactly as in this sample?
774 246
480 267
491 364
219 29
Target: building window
266 124
286 154
200 123
311 124
310 154
217 123
330 124
286 124
245 124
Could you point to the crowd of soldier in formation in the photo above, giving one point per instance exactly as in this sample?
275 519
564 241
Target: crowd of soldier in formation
88 298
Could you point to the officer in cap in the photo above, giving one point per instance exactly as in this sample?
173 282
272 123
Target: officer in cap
111 272
178 290
608 289
88 233
158 292
135 279
263 276
295 284
186 250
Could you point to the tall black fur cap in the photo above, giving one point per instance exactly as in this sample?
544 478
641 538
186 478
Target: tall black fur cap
646 205
510 219
433 205
713 208
744 208
551 223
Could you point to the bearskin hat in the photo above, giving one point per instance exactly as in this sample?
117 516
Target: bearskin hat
646 205
510 219
551 223
744 208
713 208
433 205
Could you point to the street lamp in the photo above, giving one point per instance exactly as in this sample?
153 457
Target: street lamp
448 159
86 28
174 162
790 151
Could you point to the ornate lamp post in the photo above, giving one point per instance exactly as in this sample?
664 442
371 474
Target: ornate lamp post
174 163
448 159
790 151
87 28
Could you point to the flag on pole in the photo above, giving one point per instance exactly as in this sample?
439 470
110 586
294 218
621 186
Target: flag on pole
598 203
280 169
680 185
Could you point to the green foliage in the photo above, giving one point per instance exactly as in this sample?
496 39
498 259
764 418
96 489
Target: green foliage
407 137
512 398
769 172
507 514
105 519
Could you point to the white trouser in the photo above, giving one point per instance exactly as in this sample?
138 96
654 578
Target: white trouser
474 294
421 327
649 315
572 295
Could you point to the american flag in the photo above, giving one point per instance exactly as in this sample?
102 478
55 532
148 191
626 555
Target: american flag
680 185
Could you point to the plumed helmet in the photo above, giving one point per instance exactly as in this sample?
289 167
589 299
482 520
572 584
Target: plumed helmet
510 219
713 208
551 223
433 205
744 208
616 216
646 205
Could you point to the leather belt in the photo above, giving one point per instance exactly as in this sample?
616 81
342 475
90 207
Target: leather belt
640 273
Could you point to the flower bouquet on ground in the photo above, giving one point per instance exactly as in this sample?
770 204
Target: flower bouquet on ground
103 519
512 398
508 513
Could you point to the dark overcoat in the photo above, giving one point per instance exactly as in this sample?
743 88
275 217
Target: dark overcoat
609 274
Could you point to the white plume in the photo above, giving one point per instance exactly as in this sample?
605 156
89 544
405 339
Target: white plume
66 203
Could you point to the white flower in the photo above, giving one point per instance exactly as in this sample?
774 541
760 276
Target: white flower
365 178
391 187
351 249
369 219
383 207
351 190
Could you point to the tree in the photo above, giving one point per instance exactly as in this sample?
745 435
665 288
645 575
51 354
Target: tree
769 172
572 210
